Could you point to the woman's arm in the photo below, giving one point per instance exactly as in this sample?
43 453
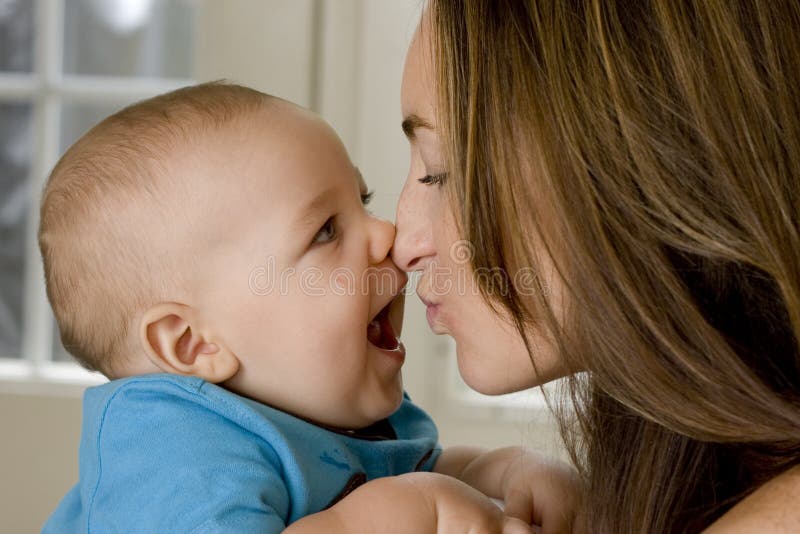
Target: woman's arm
774 508
414 503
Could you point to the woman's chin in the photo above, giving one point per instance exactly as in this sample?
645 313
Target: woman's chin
488 376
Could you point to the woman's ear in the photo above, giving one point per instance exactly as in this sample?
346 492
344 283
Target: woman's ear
175 342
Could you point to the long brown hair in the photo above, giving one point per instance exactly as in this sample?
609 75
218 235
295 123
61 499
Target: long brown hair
652 150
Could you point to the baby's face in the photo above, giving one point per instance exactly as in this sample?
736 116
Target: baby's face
297 281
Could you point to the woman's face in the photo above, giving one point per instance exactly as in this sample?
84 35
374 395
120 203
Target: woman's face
491 355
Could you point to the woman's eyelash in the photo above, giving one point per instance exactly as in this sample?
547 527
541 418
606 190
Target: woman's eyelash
433 179
366 198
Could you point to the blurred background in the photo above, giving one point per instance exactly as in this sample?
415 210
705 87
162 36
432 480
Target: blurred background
66 64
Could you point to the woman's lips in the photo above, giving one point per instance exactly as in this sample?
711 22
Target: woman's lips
432 312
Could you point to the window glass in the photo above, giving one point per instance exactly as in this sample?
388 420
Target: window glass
145 38
16 35
15 159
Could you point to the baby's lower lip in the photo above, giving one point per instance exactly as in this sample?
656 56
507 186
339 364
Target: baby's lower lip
397 354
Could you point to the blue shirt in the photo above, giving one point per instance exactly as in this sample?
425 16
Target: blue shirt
169 453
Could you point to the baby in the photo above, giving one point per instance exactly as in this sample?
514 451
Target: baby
209 251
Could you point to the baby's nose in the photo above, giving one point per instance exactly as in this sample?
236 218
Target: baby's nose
381 238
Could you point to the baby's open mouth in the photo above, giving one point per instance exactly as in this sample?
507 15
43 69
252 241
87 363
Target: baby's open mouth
380 331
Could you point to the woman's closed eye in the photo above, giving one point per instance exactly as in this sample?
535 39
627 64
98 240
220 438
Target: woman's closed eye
326 233
433 179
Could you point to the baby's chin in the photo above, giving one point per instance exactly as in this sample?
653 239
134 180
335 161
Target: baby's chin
375 412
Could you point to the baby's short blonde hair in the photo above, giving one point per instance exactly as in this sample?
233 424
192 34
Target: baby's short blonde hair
98 269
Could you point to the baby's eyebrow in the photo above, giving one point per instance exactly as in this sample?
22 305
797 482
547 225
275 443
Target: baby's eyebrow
308 213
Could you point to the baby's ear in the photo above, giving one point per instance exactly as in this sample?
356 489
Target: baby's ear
173 339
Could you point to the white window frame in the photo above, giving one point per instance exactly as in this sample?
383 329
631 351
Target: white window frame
47 88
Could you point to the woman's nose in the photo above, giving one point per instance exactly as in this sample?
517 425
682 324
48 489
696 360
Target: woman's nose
413 244
381 238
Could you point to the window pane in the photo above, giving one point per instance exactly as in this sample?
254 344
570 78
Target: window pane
149 38
16 35
15 156
77 119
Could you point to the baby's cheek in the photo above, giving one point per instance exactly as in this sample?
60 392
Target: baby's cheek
343 282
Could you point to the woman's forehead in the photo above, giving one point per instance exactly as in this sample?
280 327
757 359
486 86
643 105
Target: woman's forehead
417 91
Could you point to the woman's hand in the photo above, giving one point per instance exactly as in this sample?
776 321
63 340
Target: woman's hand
536 489
541 491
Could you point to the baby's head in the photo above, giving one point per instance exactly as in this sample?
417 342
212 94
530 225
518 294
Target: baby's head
218 232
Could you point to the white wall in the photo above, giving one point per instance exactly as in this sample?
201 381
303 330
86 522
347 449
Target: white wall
343 58
38 457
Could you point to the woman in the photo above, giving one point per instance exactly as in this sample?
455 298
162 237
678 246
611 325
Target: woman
624 179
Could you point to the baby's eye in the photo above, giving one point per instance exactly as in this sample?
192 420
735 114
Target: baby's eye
327 233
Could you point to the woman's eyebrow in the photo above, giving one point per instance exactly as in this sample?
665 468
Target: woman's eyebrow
411 123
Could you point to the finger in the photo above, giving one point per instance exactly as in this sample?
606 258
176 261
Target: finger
557 523
513 525
520 506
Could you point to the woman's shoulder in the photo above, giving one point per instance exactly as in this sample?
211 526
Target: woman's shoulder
774 507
